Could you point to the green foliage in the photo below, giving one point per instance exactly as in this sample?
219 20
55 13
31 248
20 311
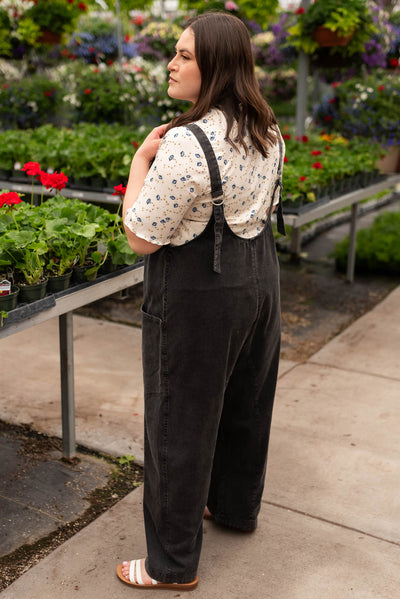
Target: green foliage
86 150
259 12
59 234
377 249
57 16
28 103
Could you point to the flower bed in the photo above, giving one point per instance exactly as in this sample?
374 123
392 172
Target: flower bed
103 152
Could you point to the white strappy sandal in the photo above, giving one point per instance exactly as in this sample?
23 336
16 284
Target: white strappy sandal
136 580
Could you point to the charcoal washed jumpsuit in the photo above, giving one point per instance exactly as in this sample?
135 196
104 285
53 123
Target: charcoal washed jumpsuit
211 341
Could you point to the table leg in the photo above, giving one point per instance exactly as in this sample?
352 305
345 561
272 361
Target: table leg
351 258
67 383
295 243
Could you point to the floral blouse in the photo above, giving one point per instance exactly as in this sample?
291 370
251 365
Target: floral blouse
175 204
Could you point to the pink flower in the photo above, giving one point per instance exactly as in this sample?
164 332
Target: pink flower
9 199
32 169
231 5
120 190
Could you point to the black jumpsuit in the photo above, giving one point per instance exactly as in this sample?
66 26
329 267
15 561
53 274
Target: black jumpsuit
211 341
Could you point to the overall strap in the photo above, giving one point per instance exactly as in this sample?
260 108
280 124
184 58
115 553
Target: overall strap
216 192
278 185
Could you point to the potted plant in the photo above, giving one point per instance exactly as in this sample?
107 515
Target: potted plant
54 17
346 25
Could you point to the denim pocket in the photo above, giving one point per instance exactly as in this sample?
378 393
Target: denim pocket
151 352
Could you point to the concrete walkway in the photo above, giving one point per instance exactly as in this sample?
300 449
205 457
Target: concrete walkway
329 527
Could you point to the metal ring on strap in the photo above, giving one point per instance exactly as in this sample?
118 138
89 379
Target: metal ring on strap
219 201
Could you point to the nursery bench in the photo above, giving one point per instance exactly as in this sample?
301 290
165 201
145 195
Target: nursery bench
296 221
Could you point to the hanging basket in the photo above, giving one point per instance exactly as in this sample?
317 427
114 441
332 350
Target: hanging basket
328 39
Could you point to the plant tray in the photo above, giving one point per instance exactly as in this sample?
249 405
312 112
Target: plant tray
24 311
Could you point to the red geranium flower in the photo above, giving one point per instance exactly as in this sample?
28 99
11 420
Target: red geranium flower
87 91
381 88
286 159
31 168
336 83
316 153
302 178
135 144
393 62
9 199
53 181
120 190
303 138
286 136
328 118
327 147
317 165
82 6
300 10
332 100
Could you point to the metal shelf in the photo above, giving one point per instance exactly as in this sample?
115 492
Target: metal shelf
296 221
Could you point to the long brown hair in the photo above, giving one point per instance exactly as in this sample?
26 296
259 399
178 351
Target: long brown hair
228 82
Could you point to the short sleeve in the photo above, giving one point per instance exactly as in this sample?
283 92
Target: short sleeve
177 177
278 155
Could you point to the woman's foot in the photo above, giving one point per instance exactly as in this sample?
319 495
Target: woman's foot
134 573
139 575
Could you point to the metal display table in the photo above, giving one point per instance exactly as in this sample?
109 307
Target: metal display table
62 304
319 211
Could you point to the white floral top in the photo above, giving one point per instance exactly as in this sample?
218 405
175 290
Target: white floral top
175 204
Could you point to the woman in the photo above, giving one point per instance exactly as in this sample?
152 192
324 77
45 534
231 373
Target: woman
211 327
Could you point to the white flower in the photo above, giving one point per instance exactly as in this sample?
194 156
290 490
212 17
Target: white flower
33 105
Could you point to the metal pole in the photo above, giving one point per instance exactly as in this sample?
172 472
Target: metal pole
119 38
302 77
67 383
351 257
